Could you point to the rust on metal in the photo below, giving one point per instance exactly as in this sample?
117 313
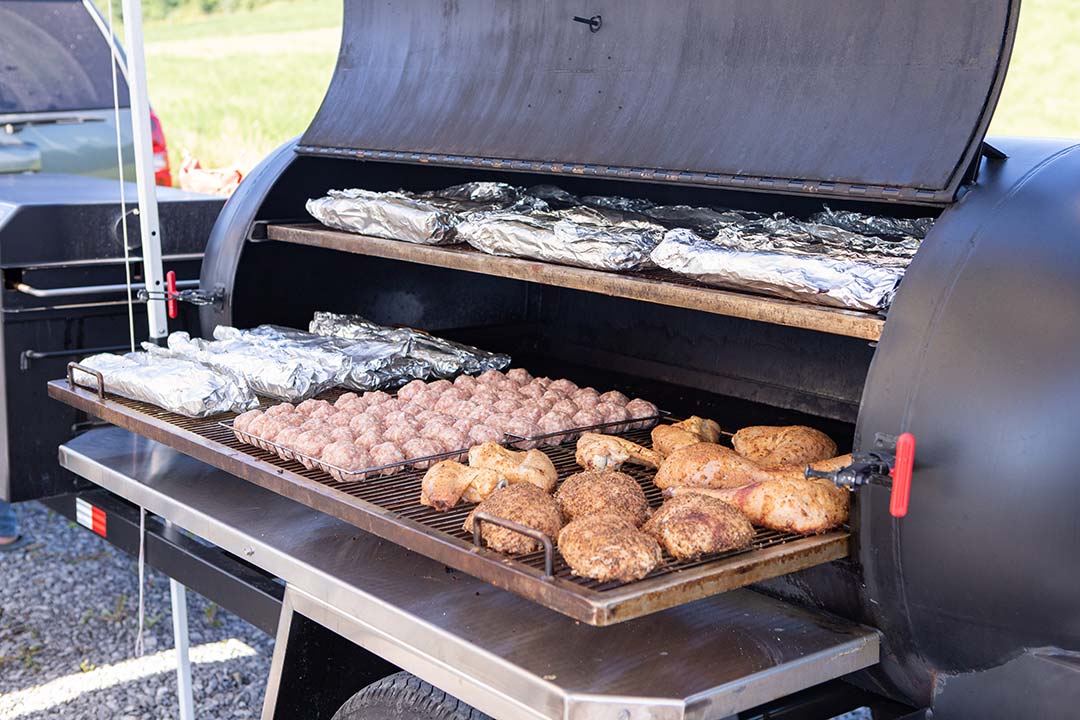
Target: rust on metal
388 506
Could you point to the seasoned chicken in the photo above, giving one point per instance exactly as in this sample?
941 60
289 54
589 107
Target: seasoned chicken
666 439
531 466
691 525
447 482
775 446
604 492
608 547
522 503
711 465
608 452
793 503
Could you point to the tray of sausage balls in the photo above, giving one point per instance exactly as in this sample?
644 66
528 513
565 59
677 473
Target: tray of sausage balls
486 443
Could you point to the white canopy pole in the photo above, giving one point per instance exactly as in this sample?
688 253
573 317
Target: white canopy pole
154 275
144 169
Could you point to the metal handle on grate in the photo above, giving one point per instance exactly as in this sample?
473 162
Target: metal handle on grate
542 538
73 366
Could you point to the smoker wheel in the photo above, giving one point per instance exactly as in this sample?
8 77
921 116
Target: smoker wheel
403 696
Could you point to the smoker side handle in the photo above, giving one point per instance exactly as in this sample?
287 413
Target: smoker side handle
543 538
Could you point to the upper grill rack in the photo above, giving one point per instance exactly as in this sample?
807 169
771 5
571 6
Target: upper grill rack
388 506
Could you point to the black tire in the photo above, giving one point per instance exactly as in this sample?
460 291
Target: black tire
403 696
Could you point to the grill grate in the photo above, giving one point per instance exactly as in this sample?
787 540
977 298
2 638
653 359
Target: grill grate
400 492
398 516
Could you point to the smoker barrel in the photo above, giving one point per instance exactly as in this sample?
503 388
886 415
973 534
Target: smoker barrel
882 110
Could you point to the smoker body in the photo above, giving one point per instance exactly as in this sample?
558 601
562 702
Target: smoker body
975 592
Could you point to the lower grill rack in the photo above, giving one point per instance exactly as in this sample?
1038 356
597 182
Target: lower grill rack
388 506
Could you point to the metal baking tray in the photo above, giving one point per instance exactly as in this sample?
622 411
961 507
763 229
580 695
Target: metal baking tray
345 475
388 506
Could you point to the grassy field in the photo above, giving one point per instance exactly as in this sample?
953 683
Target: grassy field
231 87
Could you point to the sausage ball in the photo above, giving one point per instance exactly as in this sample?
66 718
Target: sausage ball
499 421
368 438
585 397
587 417
640 409
317 425
309 406
566 407
411 389
613 413
242 423
485 395
399 434
480 434
340 434
465 383
553 422
615 397
341 418
448 400
346 400
310 443
506 406
422 448
490 377
280 409
345 459
532 390
387 453
440 386
398 417
376 397
532 413
523 428
520 376
286 440
563 386
363 421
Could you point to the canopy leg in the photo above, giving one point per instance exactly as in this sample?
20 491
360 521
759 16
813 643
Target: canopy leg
183 662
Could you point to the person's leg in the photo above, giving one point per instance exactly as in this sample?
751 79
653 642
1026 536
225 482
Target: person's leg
9 524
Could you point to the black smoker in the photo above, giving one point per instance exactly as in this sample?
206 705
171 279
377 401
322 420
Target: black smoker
763 105
65 296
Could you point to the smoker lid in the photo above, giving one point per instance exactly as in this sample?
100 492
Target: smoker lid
831 97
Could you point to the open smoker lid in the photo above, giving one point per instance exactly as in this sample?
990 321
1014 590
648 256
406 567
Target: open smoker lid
830 97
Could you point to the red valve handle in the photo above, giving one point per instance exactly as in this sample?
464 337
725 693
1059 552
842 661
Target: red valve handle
901 475
172 306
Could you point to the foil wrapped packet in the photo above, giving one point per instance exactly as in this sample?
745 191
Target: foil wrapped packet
886 228
424 356
427 218
580 236
786 258
357 365
178 385
273 370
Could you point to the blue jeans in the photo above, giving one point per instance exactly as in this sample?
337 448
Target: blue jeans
9 524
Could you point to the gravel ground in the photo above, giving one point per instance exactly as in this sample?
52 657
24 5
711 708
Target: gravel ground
68 619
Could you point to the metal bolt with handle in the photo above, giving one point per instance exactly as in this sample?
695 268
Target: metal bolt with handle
878 467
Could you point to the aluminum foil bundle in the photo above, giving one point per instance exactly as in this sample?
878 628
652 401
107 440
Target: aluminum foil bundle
175 384
373 363
425 356
580 236
887 228
426 218
273 369
785 258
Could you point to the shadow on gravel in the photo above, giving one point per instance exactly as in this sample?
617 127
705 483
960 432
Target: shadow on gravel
68 620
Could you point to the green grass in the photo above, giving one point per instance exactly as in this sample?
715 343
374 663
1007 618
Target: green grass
230 87
1042 89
